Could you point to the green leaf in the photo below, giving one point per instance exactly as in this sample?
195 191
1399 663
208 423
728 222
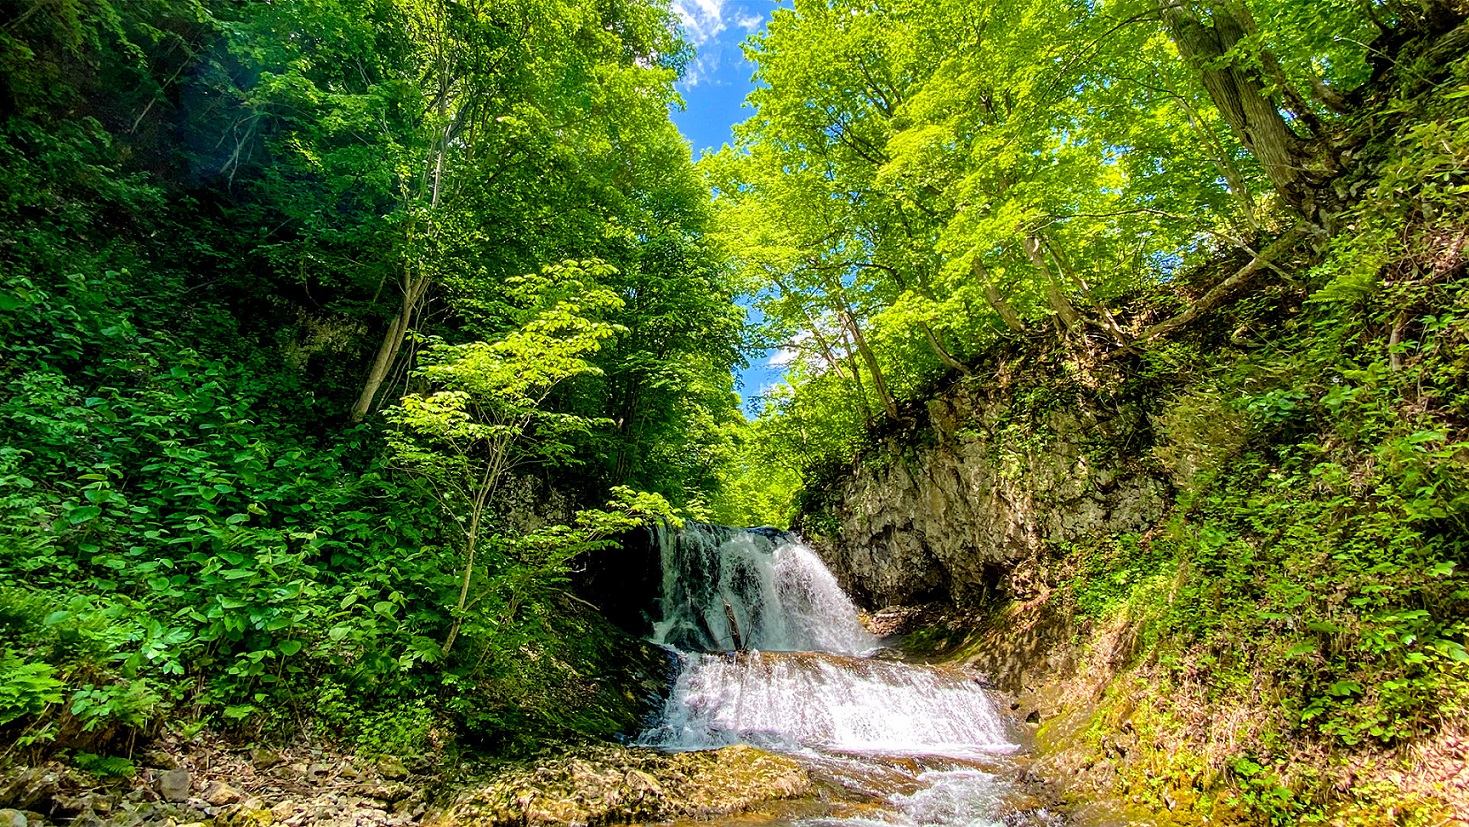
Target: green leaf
83 514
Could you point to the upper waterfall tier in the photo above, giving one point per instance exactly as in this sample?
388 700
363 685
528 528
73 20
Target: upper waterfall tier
779 594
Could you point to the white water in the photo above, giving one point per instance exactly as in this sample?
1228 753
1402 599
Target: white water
782 597
833 704
910 736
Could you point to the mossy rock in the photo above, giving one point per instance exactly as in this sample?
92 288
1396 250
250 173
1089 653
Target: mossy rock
239 815
613 785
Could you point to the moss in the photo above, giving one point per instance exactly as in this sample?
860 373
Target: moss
609 785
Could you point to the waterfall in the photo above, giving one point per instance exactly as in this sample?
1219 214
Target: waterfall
919 738
782 598
831 703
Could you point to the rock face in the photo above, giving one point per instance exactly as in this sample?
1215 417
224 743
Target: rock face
954 506
609 785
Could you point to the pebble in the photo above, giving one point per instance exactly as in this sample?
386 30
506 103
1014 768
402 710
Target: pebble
12 818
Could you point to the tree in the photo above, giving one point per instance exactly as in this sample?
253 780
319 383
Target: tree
488 417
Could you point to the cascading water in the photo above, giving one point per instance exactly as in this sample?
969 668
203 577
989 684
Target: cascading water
780 595
919 738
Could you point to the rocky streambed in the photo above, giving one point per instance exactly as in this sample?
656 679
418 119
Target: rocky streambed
215 786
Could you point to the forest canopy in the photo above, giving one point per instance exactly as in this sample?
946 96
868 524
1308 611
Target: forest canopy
923 181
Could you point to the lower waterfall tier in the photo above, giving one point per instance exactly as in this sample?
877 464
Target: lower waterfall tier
830 703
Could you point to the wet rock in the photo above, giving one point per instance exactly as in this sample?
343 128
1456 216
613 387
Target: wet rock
13 818
27 787
948 515
241 816
70 806
391 791
174 785
642 782
158 759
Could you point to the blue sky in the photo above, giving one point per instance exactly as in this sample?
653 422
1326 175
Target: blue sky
714 92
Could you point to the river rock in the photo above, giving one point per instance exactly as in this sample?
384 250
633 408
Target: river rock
264 759
219 794
174 785
620 785
392 768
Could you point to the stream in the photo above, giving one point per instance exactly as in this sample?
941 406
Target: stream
889 743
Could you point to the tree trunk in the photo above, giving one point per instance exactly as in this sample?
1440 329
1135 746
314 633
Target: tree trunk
1241 97
829 352
856 370
942 352
1109 321
997 301
1224 288
413 292
934 343
1060 305
878 380
489 481
1238 189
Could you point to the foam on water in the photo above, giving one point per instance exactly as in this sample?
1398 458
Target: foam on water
820 701
954 798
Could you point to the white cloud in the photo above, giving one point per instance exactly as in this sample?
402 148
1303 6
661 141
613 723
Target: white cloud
793 352
702 19
708 24
783 357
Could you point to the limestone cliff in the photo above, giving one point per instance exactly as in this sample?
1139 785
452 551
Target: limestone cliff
961 501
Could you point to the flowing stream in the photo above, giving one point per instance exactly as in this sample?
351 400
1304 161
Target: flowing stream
890 743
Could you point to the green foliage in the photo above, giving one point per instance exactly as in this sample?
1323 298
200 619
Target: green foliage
25 688
106 766
203 224
389 726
